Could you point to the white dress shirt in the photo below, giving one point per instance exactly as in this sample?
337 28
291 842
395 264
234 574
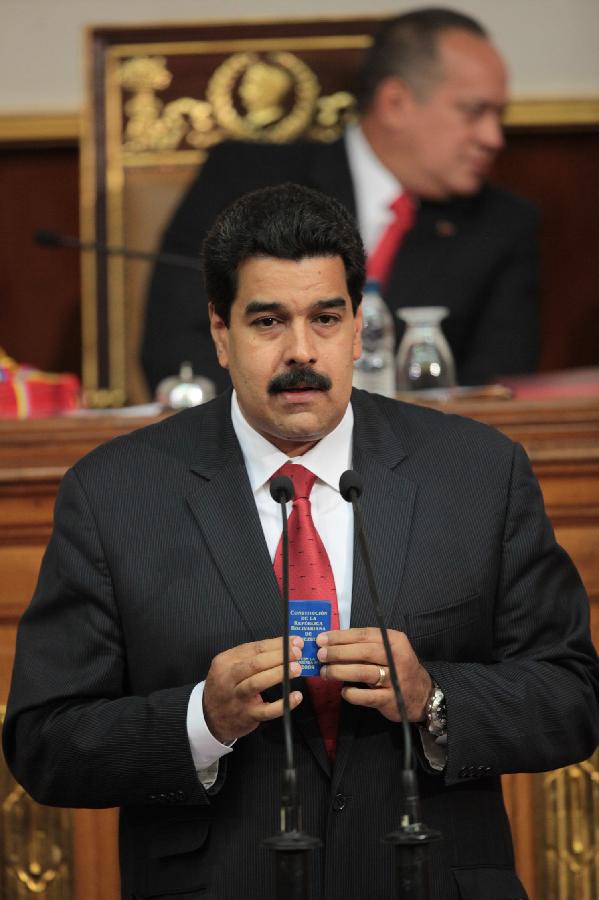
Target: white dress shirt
375 188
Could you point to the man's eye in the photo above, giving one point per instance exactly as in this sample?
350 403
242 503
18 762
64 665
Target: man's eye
265 322
472 112
475 111
327 319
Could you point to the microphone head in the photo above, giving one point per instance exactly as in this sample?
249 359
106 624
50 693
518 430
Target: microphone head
281 489
46 238
350 484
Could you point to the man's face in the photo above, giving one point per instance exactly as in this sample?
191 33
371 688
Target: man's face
290 347
451 137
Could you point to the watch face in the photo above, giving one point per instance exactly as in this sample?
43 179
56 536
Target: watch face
436 713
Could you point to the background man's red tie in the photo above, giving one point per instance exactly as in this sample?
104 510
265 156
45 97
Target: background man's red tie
379 262
311 578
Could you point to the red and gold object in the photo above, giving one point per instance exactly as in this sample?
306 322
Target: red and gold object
27 393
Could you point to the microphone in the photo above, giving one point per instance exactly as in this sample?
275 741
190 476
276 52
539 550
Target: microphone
412 837
281 489
351 485
53 239
290 845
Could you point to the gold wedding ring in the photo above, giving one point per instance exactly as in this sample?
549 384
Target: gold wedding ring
382 677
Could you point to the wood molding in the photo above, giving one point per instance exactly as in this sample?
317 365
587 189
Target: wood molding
534 112
40 127
552 112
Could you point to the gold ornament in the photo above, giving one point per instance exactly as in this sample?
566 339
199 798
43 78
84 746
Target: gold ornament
273 97
277 94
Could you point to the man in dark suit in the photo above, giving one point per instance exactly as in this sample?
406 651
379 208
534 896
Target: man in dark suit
431 94
148 666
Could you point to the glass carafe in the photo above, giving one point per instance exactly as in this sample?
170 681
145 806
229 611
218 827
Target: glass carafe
424 360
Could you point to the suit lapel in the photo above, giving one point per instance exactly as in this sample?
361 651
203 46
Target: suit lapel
223 505
424 264
387 506
225 510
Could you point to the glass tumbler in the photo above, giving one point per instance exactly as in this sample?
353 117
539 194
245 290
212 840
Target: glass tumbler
424 360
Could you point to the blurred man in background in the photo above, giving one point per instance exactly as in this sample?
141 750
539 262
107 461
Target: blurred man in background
431 94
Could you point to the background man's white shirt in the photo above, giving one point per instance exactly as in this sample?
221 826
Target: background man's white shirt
375 188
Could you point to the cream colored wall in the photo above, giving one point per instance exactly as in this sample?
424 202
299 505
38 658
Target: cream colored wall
551 45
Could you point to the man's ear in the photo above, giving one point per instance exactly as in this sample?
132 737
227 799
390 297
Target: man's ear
393 100
220 335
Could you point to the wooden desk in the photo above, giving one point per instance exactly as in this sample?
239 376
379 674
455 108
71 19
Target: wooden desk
562 439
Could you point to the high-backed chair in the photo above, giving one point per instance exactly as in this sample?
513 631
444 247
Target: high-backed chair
159 98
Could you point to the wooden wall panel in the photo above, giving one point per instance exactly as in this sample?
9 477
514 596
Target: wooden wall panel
559 172
39 288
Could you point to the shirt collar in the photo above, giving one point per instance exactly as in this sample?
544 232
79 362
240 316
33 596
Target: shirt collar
374 184
328 459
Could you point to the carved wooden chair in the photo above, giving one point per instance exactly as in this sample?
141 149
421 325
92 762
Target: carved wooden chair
158 99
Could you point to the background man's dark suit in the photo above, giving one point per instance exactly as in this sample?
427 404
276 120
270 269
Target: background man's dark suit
477 255
158 562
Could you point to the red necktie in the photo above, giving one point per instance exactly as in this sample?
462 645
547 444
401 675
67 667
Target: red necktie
380 260
311 577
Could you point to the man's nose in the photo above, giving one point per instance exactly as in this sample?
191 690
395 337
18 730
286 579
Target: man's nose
300 350
491 131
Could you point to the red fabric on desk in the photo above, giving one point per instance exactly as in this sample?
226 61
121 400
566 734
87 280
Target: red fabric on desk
552 385
27 393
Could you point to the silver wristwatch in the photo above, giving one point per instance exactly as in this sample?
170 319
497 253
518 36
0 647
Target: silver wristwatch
436 713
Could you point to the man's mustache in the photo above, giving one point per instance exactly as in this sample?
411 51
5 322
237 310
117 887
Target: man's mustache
299 378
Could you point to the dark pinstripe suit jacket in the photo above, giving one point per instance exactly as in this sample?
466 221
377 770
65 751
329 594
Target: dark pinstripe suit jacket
158 562
478 256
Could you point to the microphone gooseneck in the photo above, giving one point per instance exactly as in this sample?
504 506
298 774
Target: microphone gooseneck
291 846
53 239
281 491
413 838
351 487
50 238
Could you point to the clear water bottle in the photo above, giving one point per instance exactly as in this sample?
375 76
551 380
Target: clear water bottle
375 370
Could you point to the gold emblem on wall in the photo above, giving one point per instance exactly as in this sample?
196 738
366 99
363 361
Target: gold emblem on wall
272 97
35 844
571 832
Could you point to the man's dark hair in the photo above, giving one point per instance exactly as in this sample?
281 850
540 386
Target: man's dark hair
407 47
286 222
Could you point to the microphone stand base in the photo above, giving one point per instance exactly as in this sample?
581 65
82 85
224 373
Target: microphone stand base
292 877
412 845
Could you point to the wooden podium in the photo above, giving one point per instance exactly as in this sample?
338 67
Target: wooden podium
67 855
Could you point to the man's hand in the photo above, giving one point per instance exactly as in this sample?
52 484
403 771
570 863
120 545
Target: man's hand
232 703
358 655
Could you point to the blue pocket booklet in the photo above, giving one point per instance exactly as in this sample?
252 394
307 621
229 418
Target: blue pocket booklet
308 619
